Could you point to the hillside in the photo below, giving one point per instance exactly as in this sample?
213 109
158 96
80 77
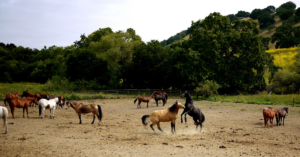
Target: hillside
264 32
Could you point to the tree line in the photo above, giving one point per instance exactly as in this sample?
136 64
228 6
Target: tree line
230 54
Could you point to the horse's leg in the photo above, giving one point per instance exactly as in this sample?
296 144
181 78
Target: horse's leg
151 125
93 118
173 126
23 112
27 110
271 121
182 114
147 103
50 112
43 110
158 126
53 112
79 115
283 121
156 102
12 109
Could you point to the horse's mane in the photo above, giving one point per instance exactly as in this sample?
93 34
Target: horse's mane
172 108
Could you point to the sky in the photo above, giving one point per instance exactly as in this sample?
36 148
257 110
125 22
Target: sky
39 23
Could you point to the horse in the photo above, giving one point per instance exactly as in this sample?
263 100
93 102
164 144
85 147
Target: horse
60 101
269 113
164 93
143 99
166 115
192 111
84 109
27 94
10 96
43 104
4 114
21 103
281 115
159 97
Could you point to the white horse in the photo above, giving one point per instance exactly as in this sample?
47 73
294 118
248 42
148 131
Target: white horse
4 114
44 103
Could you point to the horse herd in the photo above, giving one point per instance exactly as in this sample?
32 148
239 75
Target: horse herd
170 114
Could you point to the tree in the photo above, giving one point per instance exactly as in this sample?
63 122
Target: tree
286 36
255 13
271 8
232 17
286 10
265 20
242 14
208 89
231 55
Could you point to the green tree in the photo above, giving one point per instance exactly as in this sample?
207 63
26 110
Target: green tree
232 55
256 13
208 89
242 14
286 36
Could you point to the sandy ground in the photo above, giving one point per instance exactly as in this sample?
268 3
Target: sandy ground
238 127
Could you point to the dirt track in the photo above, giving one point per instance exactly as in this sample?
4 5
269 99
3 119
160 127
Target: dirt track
238 127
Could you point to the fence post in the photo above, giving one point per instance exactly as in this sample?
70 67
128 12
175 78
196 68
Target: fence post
128 92
293 101
117 93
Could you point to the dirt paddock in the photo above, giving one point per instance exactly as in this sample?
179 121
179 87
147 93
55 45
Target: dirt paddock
237 127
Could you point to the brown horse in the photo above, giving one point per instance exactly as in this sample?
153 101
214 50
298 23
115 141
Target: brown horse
11 96
20 103
281 115
27 94
164 93
84 109
166 115
143 99
62 99
269 113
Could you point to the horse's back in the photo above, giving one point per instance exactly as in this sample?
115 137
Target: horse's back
88 108
269 113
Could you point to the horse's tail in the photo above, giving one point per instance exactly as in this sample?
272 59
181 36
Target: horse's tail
6 100
144 119
40 109
99 113
135 100
203 117
5 114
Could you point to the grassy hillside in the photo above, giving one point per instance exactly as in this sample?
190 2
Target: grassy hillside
264 32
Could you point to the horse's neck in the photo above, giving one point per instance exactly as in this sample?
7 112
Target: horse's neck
188 100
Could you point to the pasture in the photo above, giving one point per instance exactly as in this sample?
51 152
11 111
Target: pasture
237 127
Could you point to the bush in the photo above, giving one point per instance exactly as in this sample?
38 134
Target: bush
209 88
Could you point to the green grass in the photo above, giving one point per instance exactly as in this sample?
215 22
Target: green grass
272 99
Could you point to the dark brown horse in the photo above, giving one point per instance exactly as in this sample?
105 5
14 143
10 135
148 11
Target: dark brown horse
20 103
62 99
269 113
164 93
281 115
157 97
84 109
143 99
27 94
11 96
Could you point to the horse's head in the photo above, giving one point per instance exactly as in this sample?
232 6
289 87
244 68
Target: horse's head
38 96
45 96
25 93
179 105
185 94
68 104
286 109
61 101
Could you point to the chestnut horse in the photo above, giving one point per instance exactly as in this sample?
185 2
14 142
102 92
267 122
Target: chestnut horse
84 109
164 93
27 94
143 99
3 115
166 115
281 115
10 96
269 113
21 103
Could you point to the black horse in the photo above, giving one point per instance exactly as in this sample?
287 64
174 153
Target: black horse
192 111
281 115
159 97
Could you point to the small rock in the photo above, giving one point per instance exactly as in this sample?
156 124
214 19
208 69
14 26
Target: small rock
179 146
145 143
222 147
291 142
11 123
164 143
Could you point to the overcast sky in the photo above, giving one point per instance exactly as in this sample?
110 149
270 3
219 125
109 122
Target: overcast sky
39 23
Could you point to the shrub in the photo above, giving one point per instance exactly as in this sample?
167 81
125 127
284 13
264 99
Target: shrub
209 88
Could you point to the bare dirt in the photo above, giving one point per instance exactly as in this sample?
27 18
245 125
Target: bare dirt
237 127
